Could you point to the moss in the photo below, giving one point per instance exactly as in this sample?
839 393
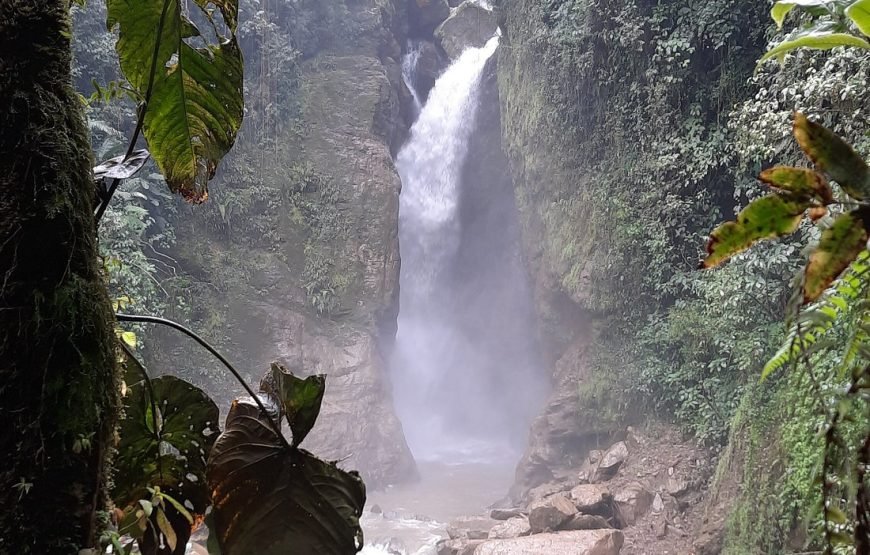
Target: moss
56 333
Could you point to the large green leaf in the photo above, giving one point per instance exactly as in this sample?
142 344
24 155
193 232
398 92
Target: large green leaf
859 13
838 247
816 41
172 455
833 155
196 102
770 216
300 398
800 182
273 499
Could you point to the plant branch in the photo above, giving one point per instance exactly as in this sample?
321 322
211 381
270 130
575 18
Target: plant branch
175 325
140 121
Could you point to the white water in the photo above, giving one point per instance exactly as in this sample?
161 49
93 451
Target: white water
430 165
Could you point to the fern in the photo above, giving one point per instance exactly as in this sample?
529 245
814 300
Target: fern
847 295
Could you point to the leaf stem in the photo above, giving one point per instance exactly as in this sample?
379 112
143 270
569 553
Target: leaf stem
175 325
140 120
152 398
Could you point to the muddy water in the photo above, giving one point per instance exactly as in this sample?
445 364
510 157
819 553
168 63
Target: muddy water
415 516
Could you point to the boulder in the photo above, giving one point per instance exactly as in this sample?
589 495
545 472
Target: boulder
632 502
504 514
550 513
469 26
471 527
677 486
579 542
591 498
511 528
425 15
462 546
585 522
546 490
611 461
430 64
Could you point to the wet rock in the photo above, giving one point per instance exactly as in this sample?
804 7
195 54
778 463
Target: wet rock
511 528
550 513
586 522
591 498
504 514
462 546
430 64
546 490
611 461
425 15
579 542
469 26
471 527
376 509
632 502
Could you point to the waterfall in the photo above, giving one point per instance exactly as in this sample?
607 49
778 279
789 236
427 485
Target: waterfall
455 337
409 71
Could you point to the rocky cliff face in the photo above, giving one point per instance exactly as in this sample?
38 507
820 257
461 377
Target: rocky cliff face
295 257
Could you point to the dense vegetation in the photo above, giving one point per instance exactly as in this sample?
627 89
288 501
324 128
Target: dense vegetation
650 122
668 123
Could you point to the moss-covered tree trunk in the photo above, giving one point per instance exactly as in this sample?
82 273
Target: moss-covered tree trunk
58 397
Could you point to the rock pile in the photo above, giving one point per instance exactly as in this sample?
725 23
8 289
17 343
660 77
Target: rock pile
630 494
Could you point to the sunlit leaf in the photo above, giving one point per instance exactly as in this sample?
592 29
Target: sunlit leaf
272 499
166 529
803 183
770 216
196 103
838 247
779 11
129 338
301 400
119 168
816 41
833 155
859 13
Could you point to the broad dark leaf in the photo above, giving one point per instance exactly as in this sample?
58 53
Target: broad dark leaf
118 168
770 216
196 104
803 183
839 246
833 155
174 455
301 399
271 499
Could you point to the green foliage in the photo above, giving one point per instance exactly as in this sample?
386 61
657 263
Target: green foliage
167 431
275 498
831 27
301 399
192 94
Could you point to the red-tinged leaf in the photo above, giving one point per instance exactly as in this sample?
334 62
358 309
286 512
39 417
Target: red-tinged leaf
833 155
764 218
839 246
816 213
800 182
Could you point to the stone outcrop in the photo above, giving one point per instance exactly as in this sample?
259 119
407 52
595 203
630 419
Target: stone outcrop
426 15
301 264
583 542
470 25
471 527
550 513
511 528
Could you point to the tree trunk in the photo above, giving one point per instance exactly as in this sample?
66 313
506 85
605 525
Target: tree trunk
58 388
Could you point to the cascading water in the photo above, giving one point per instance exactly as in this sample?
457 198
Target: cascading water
459 364
466 380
